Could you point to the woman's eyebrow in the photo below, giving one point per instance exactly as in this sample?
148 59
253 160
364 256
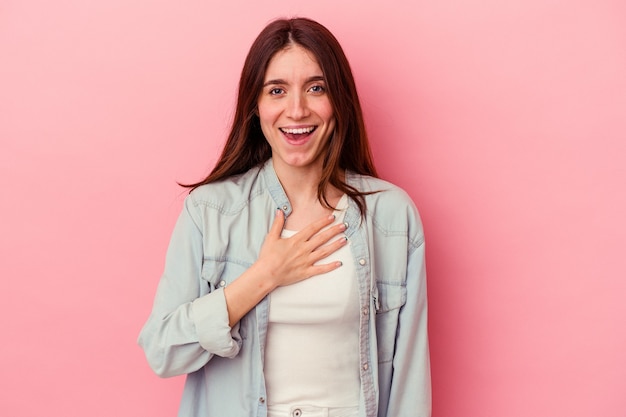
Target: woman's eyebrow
283 82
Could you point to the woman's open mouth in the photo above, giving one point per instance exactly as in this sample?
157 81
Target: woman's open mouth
297 136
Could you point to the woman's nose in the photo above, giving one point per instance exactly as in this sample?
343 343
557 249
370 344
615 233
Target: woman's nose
297 107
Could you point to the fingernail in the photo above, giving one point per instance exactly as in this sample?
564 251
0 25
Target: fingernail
331 217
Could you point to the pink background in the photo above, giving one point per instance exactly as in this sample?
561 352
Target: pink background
505 120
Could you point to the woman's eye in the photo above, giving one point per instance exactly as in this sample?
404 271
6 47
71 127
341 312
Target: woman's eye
317 89
276 91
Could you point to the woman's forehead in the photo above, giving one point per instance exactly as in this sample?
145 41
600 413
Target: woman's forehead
291 61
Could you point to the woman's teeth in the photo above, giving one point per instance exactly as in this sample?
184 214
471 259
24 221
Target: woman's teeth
298 131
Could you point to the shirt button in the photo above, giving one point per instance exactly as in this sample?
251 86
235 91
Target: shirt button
262 400
365 366
222 283
366 311
285 207
361 261
296 413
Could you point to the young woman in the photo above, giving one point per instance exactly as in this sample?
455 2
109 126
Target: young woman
294 282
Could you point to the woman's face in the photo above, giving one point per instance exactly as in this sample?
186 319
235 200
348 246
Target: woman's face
296 115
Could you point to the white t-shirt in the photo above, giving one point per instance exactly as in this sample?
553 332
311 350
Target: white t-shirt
312 348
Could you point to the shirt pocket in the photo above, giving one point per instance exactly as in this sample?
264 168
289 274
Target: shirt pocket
389 297
220 272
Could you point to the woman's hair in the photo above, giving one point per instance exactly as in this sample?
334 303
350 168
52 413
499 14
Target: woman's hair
348 147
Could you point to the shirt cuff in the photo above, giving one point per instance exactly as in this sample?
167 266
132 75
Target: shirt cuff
210 316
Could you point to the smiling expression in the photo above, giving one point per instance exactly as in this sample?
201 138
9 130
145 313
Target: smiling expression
294 109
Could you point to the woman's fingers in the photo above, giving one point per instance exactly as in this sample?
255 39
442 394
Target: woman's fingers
324 268
328 249
324 236
322 245
314 228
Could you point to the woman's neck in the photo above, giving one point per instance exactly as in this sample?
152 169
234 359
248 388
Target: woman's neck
301 187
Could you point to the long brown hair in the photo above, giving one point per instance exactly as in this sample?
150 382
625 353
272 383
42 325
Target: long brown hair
348 147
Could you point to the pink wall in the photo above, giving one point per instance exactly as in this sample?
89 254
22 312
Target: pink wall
505 120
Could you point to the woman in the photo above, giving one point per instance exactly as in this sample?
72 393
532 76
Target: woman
294 283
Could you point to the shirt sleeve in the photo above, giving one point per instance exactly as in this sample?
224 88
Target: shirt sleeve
410 393
189 321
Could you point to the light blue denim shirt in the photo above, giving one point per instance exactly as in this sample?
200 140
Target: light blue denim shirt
218 236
